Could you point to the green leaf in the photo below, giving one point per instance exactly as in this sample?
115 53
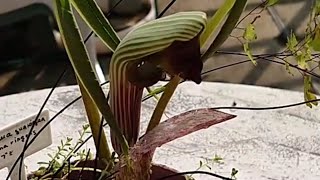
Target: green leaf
308 95
271 2
292 42
247 50
316 9
215 21
155 91
98 133
81 64
315 44
250 33
93 16
288 68
301 54
152 93
226 29
301 59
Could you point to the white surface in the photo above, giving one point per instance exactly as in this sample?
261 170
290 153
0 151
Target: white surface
277 144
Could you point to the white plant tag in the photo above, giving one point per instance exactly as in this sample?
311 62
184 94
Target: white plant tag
13 138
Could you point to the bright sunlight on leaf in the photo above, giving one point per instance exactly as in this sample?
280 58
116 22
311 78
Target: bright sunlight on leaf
292 42
308 95
249 35
247 50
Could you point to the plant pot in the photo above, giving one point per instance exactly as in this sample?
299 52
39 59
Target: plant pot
158 171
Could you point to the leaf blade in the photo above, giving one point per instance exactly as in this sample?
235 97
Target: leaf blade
214 22
80 61
93 16
226 29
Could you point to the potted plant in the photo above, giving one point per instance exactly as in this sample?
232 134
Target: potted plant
140 60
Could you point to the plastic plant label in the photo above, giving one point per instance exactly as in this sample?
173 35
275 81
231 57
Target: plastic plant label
13 138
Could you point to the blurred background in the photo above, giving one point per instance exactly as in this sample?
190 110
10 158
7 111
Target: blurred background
32 55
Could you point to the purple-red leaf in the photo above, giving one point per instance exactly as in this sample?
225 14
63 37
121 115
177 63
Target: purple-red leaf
140 156
179 126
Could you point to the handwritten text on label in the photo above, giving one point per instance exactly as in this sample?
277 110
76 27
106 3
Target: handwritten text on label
13 137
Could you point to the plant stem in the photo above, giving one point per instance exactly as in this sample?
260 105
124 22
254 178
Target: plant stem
162 104
93 114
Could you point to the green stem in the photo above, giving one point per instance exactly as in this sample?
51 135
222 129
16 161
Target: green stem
94 119
164 100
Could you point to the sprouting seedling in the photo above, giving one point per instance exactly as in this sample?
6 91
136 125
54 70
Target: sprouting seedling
208 163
